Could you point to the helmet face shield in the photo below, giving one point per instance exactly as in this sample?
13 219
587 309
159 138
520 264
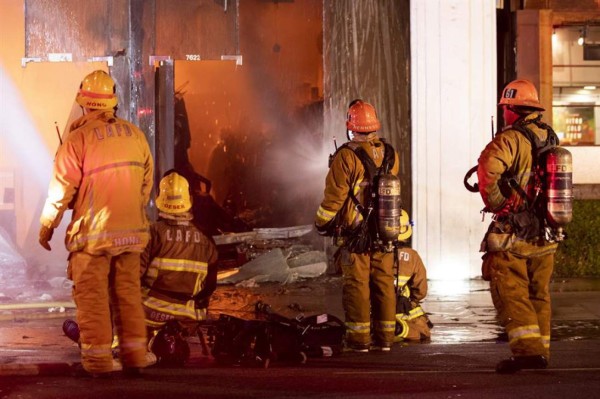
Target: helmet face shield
349 134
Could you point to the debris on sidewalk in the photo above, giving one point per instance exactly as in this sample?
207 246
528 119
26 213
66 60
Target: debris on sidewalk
274 266
12 264
275 255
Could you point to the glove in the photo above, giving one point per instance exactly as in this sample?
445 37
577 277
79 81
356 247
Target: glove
403 305
326 230
46 236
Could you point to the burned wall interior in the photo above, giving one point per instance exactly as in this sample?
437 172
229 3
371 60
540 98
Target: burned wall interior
252 130
242 118
367 55
250 134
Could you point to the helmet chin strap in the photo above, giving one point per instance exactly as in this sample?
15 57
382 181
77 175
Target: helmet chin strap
349 134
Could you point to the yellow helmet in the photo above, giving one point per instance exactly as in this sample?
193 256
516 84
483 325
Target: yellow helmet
174 194
97 91
405 226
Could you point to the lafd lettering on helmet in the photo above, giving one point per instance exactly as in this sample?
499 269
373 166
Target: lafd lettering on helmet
178 235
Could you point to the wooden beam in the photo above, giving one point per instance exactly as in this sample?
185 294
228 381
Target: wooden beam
575 17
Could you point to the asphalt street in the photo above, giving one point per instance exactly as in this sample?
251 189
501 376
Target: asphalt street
36 358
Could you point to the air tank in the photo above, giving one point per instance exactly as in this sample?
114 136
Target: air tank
389 208
558 181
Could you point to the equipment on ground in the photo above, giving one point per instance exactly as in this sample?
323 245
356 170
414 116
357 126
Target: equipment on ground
273 337
170 345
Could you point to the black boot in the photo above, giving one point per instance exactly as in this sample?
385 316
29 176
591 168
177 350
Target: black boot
516 363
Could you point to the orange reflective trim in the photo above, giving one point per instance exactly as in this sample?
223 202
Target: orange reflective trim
113 166
96 95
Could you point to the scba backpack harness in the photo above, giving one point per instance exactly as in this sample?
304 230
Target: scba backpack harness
551 208
551 176
380 225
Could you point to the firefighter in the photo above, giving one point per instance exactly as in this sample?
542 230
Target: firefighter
518 259
103 171
412 323
368 276
178 268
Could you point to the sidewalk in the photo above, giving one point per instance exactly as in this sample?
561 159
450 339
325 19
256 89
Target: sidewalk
32 341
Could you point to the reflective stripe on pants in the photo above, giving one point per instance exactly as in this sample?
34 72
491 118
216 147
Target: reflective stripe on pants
104 284
520 292
368 289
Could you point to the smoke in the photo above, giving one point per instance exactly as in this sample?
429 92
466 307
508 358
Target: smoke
29 161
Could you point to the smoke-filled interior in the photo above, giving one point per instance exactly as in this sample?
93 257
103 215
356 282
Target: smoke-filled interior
253 131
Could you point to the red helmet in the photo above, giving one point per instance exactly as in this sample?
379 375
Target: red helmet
362 117
521 93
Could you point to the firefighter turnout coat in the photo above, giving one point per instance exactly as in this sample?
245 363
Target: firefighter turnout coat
519 268
368 279
411 321
104 171
179 273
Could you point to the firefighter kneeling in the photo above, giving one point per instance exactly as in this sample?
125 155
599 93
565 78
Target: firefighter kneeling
412 323
179 273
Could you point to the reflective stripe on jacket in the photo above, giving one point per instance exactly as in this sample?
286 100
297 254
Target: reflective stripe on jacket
104 169
347 173
178 267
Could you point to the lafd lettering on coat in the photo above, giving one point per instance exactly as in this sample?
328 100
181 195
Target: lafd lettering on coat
112 130
405 256
182 235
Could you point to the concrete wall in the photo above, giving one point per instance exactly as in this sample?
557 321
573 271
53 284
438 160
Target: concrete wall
453 52
367 55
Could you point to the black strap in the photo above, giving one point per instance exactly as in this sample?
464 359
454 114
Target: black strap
472 188
371 170
537 148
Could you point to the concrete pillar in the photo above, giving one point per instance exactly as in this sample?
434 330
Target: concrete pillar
534 53
453 97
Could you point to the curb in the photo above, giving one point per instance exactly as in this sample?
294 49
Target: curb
33 369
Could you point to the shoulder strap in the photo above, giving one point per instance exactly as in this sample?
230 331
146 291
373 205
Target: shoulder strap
371 170
537 146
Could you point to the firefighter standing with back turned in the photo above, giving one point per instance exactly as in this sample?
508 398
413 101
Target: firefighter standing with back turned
523 236
368 276
103 170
